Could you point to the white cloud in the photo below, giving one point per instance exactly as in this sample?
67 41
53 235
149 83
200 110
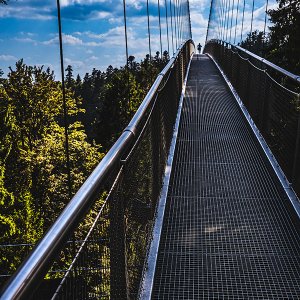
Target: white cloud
4 57
68 39
93 57
72 2
75 63
26 12
26 40
99 15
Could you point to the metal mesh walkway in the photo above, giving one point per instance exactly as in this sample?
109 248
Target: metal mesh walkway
229 231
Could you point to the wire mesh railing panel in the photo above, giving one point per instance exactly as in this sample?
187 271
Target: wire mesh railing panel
102 252
271 97
12 258
88 275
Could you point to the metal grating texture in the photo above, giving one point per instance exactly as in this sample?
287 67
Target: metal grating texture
229 231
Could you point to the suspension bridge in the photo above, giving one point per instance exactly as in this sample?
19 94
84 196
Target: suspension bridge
197 199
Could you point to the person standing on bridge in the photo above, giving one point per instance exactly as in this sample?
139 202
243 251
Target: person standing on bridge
199 48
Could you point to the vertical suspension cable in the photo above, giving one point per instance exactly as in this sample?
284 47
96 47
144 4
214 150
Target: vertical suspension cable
227 18
149 35
222 19
209 20
225 14
232 8
159 24
264 34
172 25
178 25
183 21
184 18
175 24
252 16
243 17
125 31
266 12
236 19
167 26
189 16
187 25
180 21
126 49
66 124
219 19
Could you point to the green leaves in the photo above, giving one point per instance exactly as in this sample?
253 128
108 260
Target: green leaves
284 35
33 173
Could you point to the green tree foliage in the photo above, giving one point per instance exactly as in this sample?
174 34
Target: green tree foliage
120 98
33 175
282 44
110 98
47 162
284 35
256 43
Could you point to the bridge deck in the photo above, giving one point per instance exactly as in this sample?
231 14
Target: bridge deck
229 231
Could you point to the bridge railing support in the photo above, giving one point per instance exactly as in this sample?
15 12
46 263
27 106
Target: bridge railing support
271 96
110 218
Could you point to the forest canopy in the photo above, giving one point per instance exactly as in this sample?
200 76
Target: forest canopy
282 44
33 172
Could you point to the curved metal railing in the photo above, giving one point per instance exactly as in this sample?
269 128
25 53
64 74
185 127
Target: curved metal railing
101 255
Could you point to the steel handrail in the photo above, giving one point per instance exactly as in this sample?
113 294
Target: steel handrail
270 64
34 268
263 60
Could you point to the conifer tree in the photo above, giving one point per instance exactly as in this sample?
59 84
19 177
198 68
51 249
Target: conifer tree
284 35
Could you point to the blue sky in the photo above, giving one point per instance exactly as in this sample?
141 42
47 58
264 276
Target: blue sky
93 31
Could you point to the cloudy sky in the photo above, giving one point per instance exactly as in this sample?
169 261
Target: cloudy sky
93 31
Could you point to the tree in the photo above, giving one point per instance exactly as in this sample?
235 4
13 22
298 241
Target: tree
33 174
70 82
47 162
121 97
256 43
284 35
